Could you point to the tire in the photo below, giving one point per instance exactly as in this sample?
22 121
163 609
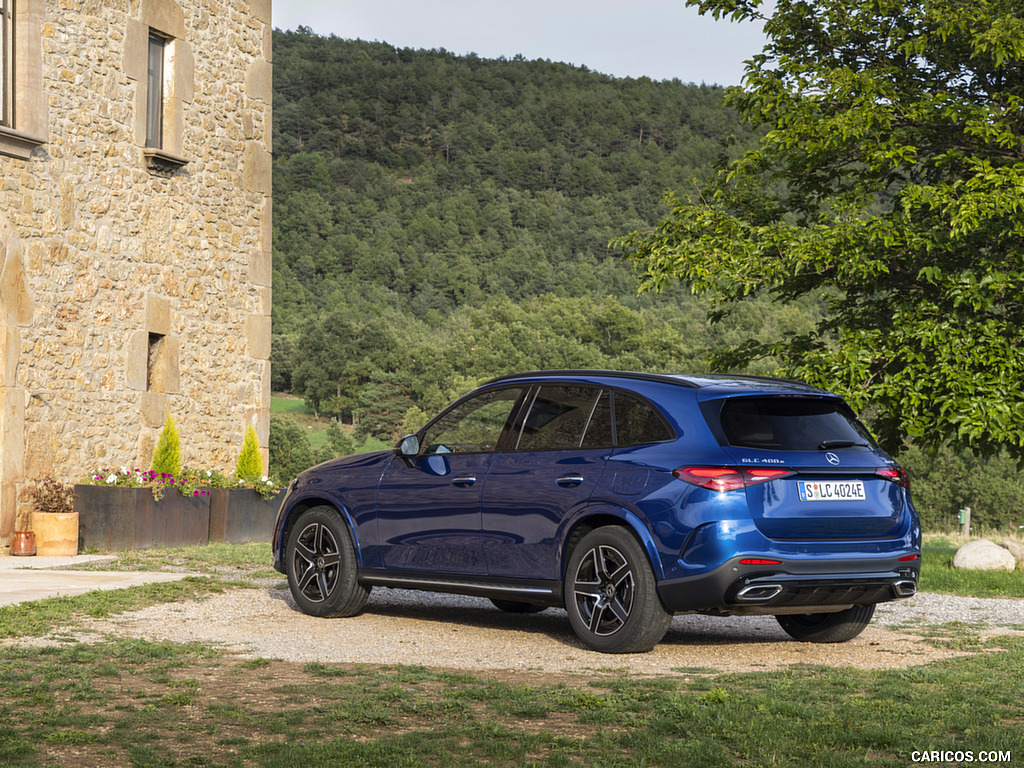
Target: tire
514 606
610 594
322 566
827 627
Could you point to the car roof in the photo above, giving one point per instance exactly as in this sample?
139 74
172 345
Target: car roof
713 384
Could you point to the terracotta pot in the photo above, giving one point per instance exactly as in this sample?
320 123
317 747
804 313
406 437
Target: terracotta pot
23 544
56 533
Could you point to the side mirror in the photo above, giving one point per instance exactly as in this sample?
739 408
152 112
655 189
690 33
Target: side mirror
409 446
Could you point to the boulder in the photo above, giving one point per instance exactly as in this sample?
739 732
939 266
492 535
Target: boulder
1015 548
983 555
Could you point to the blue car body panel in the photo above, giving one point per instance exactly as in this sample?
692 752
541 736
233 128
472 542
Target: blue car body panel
499 520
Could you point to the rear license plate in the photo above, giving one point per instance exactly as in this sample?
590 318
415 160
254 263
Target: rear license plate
831 490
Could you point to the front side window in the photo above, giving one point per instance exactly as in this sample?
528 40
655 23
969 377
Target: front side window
476 426
155 91
6 62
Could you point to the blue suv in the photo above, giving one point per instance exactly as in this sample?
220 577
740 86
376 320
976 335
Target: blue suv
624 497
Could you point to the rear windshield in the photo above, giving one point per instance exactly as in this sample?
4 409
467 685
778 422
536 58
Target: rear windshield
791 424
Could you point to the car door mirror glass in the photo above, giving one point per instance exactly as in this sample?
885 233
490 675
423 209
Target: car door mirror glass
409 446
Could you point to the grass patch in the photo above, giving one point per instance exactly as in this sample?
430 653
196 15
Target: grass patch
42 617
181 705
939 575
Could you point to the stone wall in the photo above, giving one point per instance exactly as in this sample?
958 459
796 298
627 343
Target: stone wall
136 283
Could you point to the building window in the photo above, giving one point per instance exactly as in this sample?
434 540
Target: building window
155 91
156 367
6 62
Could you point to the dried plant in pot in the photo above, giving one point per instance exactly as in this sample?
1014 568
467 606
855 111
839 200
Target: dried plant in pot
23 542
54 519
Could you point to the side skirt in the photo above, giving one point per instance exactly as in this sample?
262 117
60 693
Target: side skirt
521 590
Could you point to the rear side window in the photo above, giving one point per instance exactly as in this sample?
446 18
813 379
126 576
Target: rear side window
637 422
791 424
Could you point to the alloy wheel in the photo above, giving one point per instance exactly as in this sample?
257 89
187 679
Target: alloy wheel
604 588
316 562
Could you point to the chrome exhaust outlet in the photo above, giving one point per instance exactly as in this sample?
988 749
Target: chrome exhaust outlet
759 592
905 588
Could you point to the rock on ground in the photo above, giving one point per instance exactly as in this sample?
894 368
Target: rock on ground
983 555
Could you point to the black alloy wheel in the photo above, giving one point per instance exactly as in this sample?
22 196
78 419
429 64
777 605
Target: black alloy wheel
322 566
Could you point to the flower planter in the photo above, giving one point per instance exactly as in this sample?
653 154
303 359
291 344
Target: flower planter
239 516
115 518
56 533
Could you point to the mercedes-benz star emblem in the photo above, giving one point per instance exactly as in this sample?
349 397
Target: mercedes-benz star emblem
832 459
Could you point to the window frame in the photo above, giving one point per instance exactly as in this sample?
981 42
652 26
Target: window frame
7 47
156 88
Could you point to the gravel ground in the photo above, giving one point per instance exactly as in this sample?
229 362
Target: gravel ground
467 633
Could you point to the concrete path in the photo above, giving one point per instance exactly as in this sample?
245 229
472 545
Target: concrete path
23 579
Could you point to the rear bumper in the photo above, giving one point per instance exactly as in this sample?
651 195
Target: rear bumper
796 586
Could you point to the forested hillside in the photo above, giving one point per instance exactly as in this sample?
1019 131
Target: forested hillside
441 219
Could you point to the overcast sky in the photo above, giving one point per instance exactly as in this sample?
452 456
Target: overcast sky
662 39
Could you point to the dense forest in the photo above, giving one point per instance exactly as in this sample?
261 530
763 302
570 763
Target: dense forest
440 220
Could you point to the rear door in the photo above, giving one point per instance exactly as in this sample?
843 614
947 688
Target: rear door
548 471
831 479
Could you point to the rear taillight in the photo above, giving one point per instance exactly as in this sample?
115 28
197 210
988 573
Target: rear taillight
895 474
729 478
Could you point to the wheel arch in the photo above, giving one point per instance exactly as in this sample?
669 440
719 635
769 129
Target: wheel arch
294 511
592 518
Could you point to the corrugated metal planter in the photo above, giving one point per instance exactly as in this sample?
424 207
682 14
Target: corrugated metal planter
239 516
112 519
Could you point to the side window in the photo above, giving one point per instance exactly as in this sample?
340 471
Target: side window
637 422
475 426
599 431
558 418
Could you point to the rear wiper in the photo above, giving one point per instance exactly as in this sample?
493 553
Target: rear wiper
830 444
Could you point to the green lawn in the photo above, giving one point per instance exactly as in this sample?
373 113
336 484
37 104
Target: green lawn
114 702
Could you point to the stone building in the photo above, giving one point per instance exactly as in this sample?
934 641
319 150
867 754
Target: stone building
135 234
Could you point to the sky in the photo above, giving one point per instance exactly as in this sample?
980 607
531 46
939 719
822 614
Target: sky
659 39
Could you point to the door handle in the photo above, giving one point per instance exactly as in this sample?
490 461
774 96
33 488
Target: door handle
569 480
463 480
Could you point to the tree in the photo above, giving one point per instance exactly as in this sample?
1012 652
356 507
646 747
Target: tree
889 180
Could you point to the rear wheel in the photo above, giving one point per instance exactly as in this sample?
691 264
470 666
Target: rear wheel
827 627
322 565
610 594
515 606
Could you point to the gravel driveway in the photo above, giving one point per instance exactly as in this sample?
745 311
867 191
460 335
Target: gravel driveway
467 633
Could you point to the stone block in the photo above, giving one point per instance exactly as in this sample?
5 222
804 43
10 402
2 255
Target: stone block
257 336
137 360
257 169
158 314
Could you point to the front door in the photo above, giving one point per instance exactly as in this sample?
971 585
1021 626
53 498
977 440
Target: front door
428 506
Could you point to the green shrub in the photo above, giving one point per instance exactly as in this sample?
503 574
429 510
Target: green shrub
250 463
167 456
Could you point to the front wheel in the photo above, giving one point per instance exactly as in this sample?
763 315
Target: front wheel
827 627
322 566
610 594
